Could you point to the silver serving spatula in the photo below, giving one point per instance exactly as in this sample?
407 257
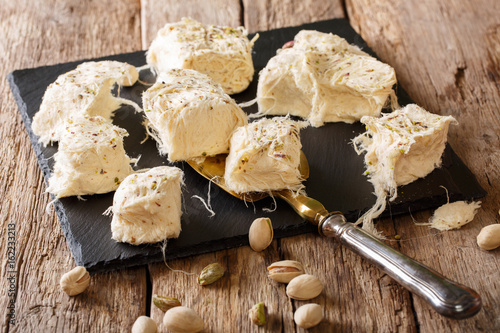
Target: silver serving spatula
448 298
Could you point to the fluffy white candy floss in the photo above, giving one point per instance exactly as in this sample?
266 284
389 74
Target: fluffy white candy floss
147 206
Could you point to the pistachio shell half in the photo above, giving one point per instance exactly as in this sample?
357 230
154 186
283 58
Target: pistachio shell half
285 270
260 234
304 287
75 281
308 315
182 319
144 324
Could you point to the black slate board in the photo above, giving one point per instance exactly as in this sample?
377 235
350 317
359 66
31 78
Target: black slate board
336 173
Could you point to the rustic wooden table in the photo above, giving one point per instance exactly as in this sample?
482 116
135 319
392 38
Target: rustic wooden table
447 56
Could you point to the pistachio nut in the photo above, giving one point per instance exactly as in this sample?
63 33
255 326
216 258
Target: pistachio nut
164 303
75 281
144 324
210 274
258 314
285 270
489 237
260 234
308 315
304 287
182 319
288 45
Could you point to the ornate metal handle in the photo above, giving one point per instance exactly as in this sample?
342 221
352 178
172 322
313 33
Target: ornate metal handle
448 298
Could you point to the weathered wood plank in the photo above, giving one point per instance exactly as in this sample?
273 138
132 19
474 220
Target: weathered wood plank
224 305
446 55
265 15
155 14
35 34
357 297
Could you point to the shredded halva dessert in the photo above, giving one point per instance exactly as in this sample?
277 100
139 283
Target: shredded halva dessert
84 91
323 78
147 206
223 53
399 148
453 215
91 158
190 115
265 156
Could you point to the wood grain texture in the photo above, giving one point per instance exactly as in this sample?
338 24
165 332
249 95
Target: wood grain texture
357 297
155 14
446 55
35 34
224 305
265 15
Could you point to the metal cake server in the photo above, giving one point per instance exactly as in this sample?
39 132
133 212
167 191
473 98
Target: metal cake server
448 298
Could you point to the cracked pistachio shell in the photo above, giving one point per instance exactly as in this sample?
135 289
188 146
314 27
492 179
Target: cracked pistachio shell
260 234
75 281
284 271
210 274
165 303
258 314
182 319
144 324
308 315
304 287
